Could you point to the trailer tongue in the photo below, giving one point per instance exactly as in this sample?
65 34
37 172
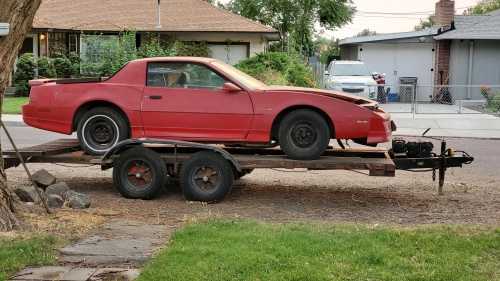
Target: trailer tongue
206 172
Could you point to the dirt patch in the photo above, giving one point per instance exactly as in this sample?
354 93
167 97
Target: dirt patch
330 196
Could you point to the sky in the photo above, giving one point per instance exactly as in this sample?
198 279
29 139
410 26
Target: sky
407 14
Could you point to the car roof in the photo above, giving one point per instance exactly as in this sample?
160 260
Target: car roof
174 59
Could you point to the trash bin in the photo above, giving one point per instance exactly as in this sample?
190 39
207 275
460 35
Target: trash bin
407 89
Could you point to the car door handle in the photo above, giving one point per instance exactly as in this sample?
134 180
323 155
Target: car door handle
155 97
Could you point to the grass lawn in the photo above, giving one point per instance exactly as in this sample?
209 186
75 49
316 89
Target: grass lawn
242 250
15 254
12 105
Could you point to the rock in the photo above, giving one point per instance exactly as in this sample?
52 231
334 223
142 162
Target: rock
28 194
43 178
55 201
59 189
77 200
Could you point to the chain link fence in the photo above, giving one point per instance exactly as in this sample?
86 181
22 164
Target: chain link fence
427 99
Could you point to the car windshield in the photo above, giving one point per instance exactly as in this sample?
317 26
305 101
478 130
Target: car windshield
239 75
350 70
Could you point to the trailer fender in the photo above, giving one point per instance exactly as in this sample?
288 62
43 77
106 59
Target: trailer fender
107 161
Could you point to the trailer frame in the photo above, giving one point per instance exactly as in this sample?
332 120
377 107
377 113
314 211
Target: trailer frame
378 162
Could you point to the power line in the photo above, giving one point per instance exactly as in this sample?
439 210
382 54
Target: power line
406 13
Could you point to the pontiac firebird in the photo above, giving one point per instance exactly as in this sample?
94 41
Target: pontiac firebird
201 100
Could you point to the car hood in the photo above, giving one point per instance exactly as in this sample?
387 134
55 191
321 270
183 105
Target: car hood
332 94
366 80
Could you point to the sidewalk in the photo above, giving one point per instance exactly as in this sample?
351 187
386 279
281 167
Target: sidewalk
448 125
13 120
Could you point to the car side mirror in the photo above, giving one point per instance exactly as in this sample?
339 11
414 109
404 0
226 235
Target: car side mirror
230 88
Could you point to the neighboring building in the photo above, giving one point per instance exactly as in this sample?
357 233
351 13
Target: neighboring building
460 50
66 26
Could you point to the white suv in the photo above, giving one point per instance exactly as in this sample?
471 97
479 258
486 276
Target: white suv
351 77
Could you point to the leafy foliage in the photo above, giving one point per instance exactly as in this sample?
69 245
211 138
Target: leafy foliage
296 19
278 69
366 32
105 55
427 23
25 71
484 7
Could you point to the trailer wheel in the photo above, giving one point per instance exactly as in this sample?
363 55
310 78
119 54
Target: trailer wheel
139 173
207 177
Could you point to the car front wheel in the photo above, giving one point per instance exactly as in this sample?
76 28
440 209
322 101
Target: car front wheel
304 135
100 129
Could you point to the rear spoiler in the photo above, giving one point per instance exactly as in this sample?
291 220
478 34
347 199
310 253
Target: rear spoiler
39 82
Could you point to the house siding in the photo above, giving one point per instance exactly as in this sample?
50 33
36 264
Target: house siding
485 66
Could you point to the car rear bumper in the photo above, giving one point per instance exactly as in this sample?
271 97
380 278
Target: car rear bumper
34 118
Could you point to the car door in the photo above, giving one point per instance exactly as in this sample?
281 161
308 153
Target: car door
185 101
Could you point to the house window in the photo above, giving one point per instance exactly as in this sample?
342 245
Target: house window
73 43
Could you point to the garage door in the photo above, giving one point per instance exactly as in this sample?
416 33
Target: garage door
402 60
231 54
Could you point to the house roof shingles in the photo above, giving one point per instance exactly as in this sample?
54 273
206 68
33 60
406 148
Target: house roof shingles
474 27
141 15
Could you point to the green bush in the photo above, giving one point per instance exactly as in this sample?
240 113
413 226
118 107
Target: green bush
46 68
494 103
278 68
25 71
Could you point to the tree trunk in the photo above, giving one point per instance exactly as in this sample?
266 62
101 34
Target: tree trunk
19 14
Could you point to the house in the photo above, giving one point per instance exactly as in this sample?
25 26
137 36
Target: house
67 26
459 50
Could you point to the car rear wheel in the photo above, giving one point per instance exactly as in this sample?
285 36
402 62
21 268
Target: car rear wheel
100 129
304 135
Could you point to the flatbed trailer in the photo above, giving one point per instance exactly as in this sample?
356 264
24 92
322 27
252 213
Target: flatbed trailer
206 172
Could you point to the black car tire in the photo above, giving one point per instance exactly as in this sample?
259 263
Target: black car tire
304 134
101 128
206 177
139 173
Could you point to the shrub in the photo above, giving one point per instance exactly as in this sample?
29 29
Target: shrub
494 103
45 68
62 66
276 67
191 49
25 71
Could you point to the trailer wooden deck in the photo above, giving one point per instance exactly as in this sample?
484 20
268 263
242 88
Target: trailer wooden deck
67 151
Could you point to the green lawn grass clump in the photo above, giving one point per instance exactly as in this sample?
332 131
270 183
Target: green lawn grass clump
15 254
242 250
12 105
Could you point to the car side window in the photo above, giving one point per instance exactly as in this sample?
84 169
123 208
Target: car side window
183 75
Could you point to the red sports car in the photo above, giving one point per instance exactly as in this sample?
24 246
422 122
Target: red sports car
202 100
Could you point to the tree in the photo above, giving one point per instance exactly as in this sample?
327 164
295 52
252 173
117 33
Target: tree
427 23
484 7
366 32
295 20
19 13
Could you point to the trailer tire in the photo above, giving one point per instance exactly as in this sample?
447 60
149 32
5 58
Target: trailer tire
304 134
206 177
139 173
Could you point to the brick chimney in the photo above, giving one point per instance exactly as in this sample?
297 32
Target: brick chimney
444 17
445 12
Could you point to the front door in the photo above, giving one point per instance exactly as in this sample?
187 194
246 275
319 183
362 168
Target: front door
185 101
